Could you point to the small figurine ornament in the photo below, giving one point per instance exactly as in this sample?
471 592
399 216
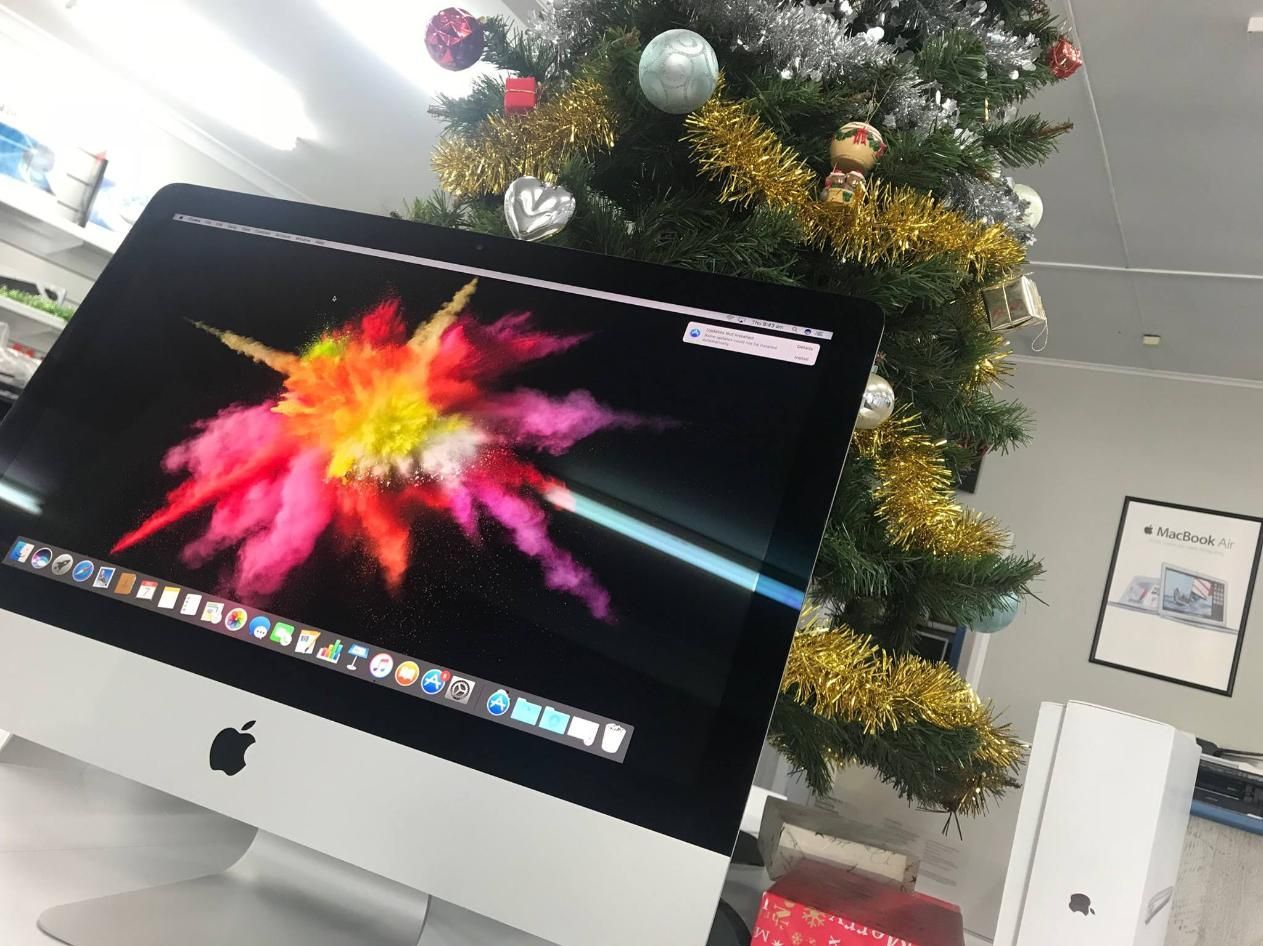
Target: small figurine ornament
840 187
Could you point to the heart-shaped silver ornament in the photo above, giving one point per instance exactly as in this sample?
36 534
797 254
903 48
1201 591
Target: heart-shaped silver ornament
535 210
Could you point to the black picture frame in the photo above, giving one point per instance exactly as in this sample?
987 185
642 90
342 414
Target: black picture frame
1245 612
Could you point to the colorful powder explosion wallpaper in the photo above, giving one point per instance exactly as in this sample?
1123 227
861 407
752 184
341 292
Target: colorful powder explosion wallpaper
375 432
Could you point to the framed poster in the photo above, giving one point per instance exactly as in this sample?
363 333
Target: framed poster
1178 594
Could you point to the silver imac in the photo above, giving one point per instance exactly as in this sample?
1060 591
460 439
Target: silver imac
310 513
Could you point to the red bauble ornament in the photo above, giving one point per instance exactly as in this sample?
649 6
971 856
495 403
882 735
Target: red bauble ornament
1064 59
454 38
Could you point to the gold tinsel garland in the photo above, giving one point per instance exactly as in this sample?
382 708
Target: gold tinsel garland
994 366
915 496
882 225
842 675
538 143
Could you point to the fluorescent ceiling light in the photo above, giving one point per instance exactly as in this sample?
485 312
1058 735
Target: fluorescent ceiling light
180 53
394 31
20 498
676 547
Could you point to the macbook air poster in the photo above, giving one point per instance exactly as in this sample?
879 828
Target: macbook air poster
1178 593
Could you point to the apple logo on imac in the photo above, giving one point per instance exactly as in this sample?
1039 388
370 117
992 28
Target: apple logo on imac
228 751
1081 903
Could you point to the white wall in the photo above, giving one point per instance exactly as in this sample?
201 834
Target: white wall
69 101
1101 435
67 98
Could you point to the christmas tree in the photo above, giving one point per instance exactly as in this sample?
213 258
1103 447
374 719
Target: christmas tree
857 147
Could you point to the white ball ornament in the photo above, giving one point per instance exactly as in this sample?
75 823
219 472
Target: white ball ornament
678 71
1034 204
878 403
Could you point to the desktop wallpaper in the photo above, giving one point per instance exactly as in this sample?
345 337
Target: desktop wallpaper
541 488
377 428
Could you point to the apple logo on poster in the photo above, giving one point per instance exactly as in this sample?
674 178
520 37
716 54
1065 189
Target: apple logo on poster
228 751
1081 903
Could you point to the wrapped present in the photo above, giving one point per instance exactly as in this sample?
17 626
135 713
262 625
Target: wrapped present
818 904
519 94
1013 304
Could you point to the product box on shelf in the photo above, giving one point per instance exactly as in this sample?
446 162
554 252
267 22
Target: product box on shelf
791 833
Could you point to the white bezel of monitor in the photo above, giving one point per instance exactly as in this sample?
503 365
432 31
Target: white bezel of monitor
1178 615
569 872
387 808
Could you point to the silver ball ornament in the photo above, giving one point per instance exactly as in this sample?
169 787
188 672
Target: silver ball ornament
535 210
1034 212
998 619
678 71
878 403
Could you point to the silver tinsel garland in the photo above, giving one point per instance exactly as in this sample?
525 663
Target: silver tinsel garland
990 201
911 104
1007 53
810 41
570 25
815 42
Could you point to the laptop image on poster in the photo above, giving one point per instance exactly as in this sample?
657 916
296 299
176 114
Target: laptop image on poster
1193 598
1141 595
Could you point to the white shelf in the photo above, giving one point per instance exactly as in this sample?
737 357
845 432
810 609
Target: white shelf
29 221
29 326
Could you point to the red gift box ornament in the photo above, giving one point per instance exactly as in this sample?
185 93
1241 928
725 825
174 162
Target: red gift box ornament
454 38
519 95
1064 58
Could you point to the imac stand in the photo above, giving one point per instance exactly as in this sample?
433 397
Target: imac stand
278 893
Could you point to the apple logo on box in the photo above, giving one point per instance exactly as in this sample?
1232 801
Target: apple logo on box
228 751
1148 530
1081 903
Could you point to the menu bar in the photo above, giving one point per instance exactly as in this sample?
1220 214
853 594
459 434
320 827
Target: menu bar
656 304
453 689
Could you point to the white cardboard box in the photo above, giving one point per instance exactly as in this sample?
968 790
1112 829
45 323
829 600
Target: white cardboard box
1100 830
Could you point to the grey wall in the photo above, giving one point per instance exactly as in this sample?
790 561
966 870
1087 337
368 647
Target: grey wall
1102 435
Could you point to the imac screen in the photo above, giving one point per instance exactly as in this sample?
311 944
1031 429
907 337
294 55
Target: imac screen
531 525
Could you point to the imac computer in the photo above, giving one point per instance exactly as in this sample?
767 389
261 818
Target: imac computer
455 564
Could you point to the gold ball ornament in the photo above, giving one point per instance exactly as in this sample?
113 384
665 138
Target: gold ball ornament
877 404
856 146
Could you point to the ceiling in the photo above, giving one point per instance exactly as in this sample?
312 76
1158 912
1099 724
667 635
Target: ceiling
1152 207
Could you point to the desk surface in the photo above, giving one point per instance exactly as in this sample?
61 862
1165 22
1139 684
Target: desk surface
71 832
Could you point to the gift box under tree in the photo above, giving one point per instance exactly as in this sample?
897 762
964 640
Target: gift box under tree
818 904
